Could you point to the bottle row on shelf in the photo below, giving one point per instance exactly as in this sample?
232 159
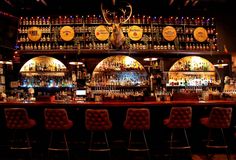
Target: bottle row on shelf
115 94
187 46
190 81
192 66
105 46
62 46
34 67
135 19
45 81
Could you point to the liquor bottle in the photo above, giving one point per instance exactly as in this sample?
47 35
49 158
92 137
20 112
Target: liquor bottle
21 21
65 20
138 19
48 21
154 19
176 20
95 19
212 21
144 19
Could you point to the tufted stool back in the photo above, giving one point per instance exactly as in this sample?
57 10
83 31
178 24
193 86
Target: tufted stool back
180 117
137 119
219 118
17 118
97 120
57 119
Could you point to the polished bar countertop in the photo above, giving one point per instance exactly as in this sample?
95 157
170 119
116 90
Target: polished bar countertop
119 103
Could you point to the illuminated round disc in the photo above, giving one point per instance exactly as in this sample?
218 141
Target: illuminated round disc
101 33
135 33
67 33
169 33
34 33
200 34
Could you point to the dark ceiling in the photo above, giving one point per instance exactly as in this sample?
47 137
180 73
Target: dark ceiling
148 7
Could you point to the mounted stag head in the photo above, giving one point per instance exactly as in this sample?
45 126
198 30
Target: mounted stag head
117 37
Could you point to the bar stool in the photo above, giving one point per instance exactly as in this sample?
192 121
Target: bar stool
219 119
57 121
17 119
98 121
180 118
137 119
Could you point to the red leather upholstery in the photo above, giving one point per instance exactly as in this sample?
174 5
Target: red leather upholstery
180 117
17 118
219 118
137 119
97 120
57 119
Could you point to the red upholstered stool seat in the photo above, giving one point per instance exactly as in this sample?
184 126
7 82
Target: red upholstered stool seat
138 121
57 121
180 118
17 119
219 119
98 121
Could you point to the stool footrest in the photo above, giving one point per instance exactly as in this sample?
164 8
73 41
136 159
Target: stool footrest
99 149
21 148
183 147
217 147
138 149
58 149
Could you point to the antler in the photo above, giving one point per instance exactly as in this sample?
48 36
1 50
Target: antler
104 13
123 10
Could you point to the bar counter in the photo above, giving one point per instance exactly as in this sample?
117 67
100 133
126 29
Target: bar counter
120 103
157 136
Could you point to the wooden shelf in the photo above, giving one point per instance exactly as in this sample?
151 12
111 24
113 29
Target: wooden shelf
115 51
44 73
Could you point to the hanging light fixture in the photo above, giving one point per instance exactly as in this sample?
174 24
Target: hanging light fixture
150 59
5 62
220 63
76 63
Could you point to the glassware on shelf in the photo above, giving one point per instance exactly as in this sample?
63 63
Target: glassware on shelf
119 77
192 71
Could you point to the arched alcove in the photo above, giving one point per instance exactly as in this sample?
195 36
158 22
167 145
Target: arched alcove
192 71
119 70
43 63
